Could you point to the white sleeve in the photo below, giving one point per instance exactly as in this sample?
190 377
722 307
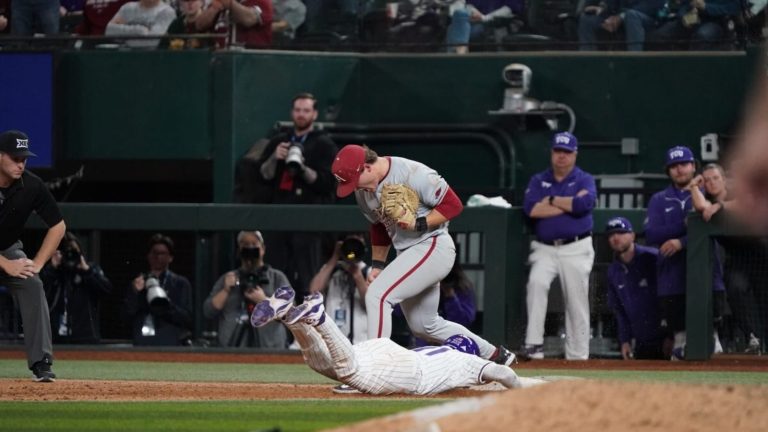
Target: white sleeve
163 21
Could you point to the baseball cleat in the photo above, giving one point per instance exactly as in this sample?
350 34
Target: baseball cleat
504 356
42 372
678 354
311 311
754 345
345 389
273 308
531 352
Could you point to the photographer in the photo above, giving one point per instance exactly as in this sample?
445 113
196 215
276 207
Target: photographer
236 293
73 287
296 165
343 282
160 301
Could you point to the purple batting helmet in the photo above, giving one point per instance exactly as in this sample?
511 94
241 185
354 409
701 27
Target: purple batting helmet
463 344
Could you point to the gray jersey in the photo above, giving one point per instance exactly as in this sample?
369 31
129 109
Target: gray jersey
428 184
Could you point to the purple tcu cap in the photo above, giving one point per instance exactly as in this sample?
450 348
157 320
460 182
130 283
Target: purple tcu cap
565 141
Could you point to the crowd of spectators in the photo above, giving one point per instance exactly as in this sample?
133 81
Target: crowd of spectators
425 25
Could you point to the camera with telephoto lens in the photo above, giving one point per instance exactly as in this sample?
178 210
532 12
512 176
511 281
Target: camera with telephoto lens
156 295
70 258
295 159
352 250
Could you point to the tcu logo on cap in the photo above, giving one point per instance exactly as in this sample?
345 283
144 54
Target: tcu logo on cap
615 223
22 143
562 139
674 154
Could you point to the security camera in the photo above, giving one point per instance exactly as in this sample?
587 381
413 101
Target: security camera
518 103
518 76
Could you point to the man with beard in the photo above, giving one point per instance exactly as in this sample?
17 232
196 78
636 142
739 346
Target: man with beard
296 164
666 228
632 293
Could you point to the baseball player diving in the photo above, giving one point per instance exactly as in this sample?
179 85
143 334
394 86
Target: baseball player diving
409 205
380 366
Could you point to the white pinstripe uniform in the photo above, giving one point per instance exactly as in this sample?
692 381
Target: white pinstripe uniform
423 259
380 366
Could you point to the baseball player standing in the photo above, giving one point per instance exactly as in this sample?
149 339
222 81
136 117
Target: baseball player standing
632 293
21 193
380 366
560 202
425 250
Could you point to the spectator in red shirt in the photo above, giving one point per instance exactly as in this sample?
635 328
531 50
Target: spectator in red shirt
96 16
252 18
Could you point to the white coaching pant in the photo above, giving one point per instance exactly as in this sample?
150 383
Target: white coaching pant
572 263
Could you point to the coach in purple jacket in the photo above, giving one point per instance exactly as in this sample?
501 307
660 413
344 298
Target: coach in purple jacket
560 202
632 293
666 228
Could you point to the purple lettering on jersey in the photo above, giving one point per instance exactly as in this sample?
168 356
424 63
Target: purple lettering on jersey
434 349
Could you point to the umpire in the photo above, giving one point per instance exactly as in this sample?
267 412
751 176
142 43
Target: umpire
21 192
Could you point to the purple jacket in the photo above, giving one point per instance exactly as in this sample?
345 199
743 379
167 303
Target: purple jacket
632 296
568 224
667 211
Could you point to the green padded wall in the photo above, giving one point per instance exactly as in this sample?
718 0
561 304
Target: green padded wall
200 105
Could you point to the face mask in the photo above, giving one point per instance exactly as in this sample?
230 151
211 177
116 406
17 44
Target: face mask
250 253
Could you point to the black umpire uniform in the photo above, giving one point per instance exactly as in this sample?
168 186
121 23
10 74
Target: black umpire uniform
21 192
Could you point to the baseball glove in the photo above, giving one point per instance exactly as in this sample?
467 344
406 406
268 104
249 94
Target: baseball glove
400 203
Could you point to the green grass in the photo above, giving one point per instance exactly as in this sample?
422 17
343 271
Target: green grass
301 374
160 371
289 416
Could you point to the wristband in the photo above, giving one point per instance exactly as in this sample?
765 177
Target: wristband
421 224
377 264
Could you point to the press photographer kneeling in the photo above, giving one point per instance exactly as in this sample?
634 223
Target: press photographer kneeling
236 292
73 287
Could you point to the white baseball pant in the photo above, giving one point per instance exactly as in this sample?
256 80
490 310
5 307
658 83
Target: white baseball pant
572 263
413 281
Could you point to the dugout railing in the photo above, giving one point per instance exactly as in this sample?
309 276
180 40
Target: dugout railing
699 299
505 245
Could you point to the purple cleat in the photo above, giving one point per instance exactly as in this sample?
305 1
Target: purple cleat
273 308
311 311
